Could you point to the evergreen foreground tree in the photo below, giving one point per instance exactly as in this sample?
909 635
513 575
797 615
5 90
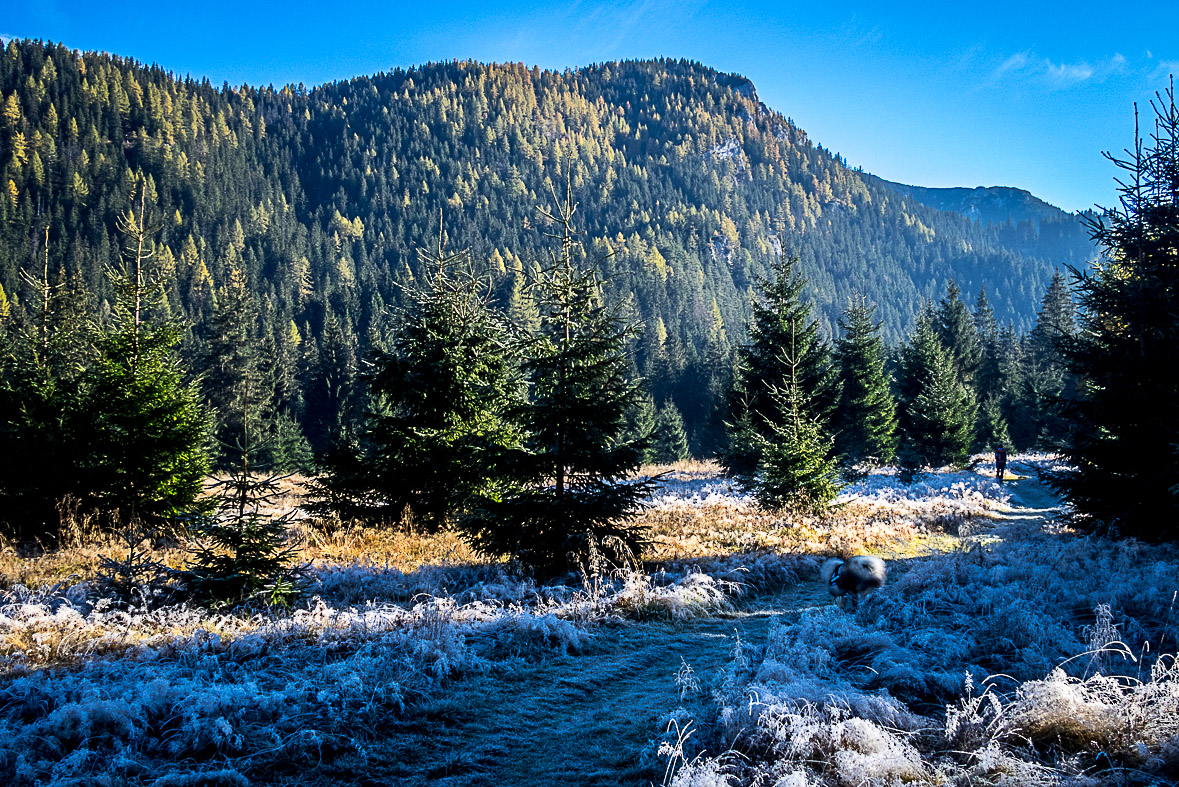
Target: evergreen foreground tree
242 551
940 418
437 428
145 430
866 417
781 319
43 354
1124 428
571 499
797 470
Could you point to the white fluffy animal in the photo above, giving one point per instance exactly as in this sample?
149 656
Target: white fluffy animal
853 577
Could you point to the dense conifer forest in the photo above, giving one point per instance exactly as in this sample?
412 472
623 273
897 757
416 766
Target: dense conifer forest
289 217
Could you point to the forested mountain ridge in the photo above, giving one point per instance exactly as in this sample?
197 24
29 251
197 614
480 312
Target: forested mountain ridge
687 187
988 204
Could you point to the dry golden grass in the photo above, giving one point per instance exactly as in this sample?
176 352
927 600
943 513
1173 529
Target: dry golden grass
677 531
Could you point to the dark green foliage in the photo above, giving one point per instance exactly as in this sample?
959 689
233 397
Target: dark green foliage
746 445
797 470
990 429
437 430
913 362
641 424
43 353
958 334
1124 426
937 409
940 418
866 420
1048 381
233 382
570 497
241 552
287 449
670 442
988 380
1012 388
145 432
782 319
784 344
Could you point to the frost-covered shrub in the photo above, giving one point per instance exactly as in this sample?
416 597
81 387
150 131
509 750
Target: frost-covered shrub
693 595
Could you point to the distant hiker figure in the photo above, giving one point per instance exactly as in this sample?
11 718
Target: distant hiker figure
1000 462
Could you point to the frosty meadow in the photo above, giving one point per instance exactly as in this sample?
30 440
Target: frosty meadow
1002 648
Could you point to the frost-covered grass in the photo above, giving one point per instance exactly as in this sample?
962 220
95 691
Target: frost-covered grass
1030 657
390 618
91 690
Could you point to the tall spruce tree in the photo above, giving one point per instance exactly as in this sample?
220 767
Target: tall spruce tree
146 431
988 380
1124 426
438 426
797 469
1048 381
781 319
866 417
43 353
958 334
940 418
1022 425
641 422
233 379
670 441
914 360
990 384
571 498
937 408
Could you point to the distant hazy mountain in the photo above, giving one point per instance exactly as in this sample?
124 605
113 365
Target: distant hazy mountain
988 204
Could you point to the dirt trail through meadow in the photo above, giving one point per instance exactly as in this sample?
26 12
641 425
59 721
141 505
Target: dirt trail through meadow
578 719
584 719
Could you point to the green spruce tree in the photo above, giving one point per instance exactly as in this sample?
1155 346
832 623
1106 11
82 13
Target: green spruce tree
438 426
642 422
1048 381
797 470
866 417
670 443
571 498
781 318
44 351
233 363
146 431
958 334
1124 425
940 418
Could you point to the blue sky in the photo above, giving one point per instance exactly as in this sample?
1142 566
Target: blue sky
1016 94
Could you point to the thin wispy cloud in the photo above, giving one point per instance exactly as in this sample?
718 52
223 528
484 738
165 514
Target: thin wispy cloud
1030 66
1165 69
5 38
1016 62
